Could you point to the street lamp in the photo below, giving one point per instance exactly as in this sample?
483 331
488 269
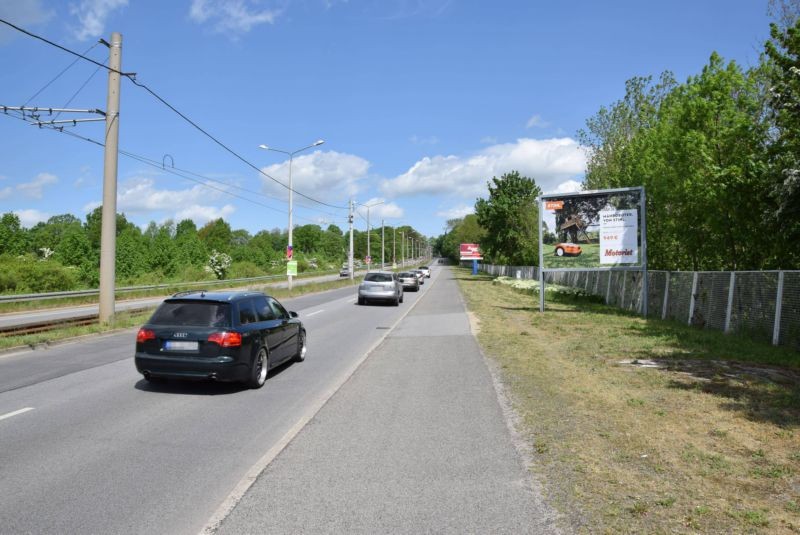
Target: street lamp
369 250
317 143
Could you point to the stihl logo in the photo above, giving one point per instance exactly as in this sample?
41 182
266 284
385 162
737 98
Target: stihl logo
553 205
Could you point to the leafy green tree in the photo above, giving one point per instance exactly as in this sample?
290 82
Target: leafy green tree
783 51
510 217
332 244
307 239
13 238
189 249
699 150
461 230
50 233
73 247
216 235
132 253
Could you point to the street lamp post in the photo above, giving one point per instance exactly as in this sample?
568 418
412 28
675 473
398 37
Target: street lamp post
369 250
289 246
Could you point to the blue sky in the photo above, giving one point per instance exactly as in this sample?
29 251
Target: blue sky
420 102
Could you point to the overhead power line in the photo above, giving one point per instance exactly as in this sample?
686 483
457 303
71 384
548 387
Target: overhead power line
182 173
132 78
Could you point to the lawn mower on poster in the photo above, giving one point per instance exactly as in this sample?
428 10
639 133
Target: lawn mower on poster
568 249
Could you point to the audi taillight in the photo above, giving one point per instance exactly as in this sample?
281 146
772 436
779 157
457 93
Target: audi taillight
226 339
144 335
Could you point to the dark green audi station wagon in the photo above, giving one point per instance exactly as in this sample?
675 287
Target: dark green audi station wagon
221 336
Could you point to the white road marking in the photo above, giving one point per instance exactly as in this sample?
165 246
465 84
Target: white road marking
10 414
315 313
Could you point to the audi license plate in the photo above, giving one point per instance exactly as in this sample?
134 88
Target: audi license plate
180 345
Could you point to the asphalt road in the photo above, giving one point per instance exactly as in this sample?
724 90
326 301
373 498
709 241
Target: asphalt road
415 442
87 446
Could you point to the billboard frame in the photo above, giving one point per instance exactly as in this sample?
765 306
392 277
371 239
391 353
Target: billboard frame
641 266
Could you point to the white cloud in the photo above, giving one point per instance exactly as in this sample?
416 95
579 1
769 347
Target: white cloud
203 214
536 121
226 16
92 15
5 192
29 218
140 196
387 210
570 186
456 212
331 177
548 161
35 188
24 13
489 140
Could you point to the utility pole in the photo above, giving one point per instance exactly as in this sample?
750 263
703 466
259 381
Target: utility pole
403 247
369 249
394 248
108 232
350 256
382 261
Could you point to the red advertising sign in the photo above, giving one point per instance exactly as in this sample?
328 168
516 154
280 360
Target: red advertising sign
471 251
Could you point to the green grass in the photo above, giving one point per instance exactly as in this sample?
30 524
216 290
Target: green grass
707 442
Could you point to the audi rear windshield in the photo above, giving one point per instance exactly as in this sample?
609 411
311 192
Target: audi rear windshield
192 313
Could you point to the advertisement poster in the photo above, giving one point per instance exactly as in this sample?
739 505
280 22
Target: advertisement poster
592 230
619 242
471 251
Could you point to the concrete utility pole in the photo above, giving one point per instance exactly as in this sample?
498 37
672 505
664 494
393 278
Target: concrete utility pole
108 232
382 262
350 256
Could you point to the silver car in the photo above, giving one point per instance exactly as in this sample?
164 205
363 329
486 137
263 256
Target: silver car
409 280
380 286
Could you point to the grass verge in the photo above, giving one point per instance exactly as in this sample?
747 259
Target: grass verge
125 320
645 426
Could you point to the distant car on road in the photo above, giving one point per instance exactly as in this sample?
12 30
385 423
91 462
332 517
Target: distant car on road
568 249
420 275
426 270
222 336
344 272
380 286
409 280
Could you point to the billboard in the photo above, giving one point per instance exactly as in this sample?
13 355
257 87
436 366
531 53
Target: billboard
471 251
592 230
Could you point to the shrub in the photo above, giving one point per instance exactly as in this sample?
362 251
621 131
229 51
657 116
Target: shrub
47 276
244 269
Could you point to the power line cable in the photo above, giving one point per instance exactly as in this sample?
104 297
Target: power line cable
172 170
132 78
78 91
57 76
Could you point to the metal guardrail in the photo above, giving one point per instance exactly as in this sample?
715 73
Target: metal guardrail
128 289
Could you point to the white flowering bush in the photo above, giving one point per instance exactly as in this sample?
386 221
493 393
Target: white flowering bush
532 286
218 264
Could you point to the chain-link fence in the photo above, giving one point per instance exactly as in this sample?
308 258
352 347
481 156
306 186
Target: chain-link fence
762 304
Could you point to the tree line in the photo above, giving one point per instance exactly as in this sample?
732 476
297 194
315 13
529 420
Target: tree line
718 154
63 253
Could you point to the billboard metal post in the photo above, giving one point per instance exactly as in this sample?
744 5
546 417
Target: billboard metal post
541 260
